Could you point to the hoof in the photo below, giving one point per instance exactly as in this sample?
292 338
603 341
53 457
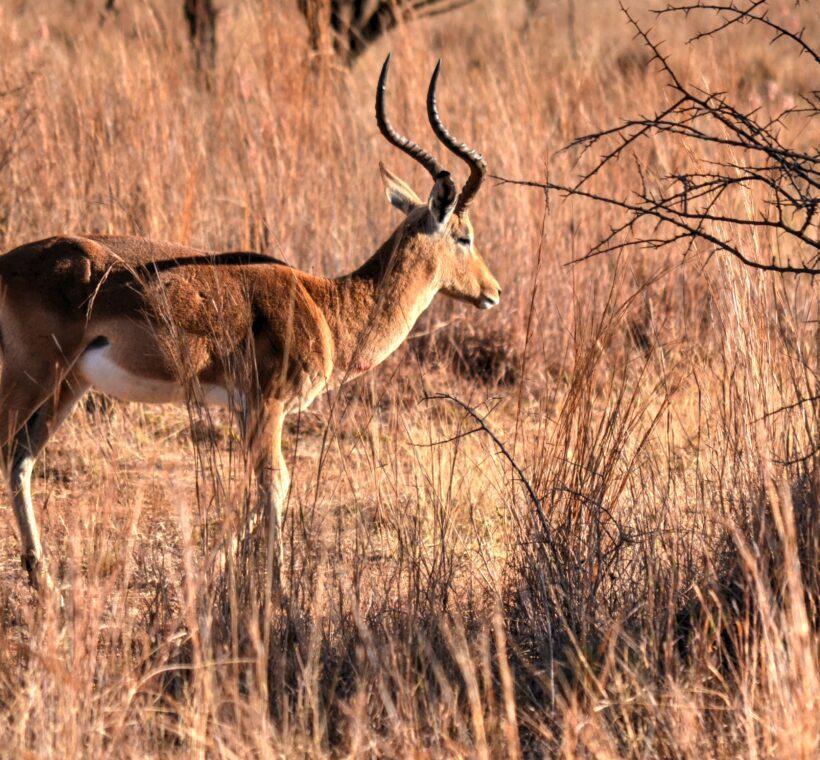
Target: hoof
38 577
33 565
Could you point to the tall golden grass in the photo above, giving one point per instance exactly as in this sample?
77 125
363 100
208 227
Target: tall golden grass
665 602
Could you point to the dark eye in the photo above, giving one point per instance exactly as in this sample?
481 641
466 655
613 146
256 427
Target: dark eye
464 241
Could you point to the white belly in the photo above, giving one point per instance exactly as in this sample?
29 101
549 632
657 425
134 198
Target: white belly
106 376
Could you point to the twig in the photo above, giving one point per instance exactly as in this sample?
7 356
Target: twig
701 203
483 427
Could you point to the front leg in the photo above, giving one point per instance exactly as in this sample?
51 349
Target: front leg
272 483
264 444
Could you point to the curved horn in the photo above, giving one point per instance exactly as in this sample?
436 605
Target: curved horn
471 157
402 143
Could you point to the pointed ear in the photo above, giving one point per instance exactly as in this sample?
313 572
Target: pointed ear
442 199
399 193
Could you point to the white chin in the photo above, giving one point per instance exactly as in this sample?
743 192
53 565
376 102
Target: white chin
486 303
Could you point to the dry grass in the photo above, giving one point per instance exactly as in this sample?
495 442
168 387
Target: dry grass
667 605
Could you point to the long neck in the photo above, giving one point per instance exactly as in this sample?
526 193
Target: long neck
371 310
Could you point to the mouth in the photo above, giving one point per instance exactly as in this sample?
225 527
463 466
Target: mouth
486 302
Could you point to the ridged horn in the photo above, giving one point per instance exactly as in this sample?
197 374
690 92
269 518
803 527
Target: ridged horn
413 150
478 169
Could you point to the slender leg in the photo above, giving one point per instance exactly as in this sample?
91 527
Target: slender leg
21 397
264 442
272 483
20 456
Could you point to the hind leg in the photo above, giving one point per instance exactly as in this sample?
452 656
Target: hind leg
20 456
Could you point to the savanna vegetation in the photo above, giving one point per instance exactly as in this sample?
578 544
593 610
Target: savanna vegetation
583 524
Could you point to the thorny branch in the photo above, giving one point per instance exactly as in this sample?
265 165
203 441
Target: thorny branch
733 151
732 14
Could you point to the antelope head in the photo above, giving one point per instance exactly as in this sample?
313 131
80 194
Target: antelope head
440 229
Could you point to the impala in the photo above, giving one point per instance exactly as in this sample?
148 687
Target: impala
156 322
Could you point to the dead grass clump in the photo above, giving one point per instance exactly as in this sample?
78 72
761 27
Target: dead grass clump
489 358
485 356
